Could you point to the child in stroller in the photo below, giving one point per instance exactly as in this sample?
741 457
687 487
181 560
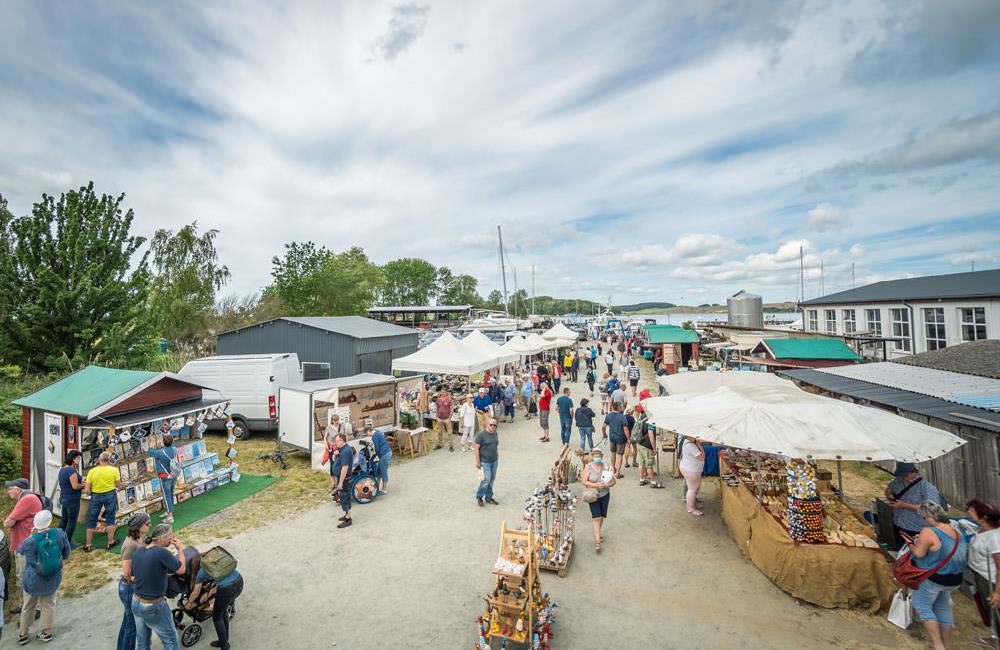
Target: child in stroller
198 605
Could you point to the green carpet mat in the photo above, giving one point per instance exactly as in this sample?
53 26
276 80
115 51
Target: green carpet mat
186 513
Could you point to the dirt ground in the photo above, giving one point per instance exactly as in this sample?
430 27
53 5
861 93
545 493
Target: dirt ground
412 571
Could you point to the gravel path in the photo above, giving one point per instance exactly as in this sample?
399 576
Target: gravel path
411 572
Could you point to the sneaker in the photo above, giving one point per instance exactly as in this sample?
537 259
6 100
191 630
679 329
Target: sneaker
493 501
437 446
620 475
451 449
24 639
44 637
643 482
344 518
479 500
344 524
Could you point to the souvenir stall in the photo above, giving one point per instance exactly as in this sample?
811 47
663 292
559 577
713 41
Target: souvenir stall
126 413
782 512
550 513
519 615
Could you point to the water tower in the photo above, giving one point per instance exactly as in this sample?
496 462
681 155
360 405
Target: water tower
745 310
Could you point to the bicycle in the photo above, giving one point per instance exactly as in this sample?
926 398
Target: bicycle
280 454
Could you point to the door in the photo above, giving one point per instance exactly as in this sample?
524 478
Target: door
376 362
53 443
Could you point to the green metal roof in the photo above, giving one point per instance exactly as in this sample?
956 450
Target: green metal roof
810 349
670 334
85 390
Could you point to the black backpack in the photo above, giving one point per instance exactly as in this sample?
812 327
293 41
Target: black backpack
46 502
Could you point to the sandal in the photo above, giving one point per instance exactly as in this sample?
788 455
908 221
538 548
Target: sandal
696 513
87 548
111 546
597 547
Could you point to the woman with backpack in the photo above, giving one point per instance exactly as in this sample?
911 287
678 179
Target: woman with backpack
591 380
167 470
44 551
226 590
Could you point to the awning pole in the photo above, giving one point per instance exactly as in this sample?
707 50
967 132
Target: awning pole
840 479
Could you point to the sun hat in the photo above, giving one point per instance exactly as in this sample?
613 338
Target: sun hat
43 519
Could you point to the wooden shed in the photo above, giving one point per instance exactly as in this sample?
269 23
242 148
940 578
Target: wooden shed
674 347
95 396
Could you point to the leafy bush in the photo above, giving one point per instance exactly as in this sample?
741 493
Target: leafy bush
10 458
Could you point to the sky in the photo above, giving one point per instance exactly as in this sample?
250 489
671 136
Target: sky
646 151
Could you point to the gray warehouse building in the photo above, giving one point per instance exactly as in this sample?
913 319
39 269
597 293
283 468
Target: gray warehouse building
327 346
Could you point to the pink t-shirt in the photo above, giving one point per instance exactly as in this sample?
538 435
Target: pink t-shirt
22 519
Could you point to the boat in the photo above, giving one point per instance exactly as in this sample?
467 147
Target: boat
495 322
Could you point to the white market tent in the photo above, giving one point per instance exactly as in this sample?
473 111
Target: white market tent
760 412
539 344
560 331
478 343
447 356
520 346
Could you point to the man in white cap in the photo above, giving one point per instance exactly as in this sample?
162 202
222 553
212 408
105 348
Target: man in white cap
44 552
484 407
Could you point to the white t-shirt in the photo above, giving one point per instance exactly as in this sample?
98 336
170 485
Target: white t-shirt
689 457
468 414
981 551
609 358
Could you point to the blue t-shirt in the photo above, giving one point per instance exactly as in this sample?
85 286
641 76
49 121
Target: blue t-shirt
381 445
482 402
66 492
527 388
201 576
162 458
564 404
150 567
344 459
616 426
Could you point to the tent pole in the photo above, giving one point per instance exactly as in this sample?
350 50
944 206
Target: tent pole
840 478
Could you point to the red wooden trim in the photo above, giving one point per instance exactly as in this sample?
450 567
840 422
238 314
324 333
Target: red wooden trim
165 391
25 441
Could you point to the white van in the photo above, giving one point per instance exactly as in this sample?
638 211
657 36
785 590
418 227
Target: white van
251 381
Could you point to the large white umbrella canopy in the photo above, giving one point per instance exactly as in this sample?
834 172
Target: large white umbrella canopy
763 413
519 346
559 331
477 342
539 344
446 355
701 382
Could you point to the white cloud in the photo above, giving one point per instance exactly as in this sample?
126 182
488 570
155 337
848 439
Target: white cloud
826 217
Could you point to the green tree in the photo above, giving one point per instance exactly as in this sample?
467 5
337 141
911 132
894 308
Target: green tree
311 280
688 325
519 303
71 290
495 300
409 282
186 276
456 289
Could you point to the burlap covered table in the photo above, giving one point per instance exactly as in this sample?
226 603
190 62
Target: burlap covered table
829 575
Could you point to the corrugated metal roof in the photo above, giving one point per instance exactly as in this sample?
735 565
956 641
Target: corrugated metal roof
974 284
363 379
420 308
951 386
85 390
903 400
670 334
810 349
980 358
357 327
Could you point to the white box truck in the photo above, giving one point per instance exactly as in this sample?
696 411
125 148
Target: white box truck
252 383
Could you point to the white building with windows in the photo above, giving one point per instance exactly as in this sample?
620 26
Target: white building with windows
920 314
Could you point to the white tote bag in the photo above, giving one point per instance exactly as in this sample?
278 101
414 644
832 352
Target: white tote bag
901 610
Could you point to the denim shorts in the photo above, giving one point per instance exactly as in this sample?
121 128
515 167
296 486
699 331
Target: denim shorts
106 501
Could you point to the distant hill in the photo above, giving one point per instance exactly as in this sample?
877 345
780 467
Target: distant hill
640 306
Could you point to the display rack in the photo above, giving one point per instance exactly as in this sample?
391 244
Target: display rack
550 513
519 616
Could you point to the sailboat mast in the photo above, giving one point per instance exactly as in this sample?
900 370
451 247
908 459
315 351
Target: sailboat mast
532 288
503 270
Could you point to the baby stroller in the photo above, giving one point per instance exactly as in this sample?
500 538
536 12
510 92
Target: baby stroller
363 477
179 587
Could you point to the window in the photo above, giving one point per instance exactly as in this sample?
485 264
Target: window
934 327
850 325
813 320
874 318
831 320
973 323
900 329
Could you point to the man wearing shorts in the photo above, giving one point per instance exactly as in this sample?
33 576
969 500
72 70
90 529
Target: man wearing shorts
615 429
544 404
100 484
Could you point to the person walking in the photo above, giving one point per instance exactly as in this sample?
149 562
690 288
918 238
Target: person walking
70 489
605 395
905 493
163 458
150 566
609 361
442 423
487 455
556 376
596 476
138 526
565 406
226 590
633 376
544 405
591 379
384 452
484 408
615 429
618 394
527 395
936 542
44 552
585 424
509 397
644 439
467 422
19 522
345 464
691 466
101 483
575 367
984 560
